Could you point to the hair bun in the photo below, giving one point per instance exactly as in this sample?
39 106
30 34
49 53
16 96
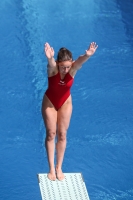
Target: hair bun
62 48
64 55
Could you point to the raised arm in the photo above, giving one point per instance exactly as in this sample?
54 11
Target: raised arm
83 58
49 52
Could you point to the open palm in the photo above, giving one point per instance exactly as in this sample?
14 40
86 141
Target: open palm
49 51
92 48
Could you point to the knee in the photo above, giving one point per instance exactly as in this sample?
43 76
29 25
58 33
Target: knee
61 136
50 135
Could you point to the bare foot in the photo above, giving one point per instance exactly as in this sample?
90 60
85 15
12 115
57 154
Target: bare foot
59 174
52 175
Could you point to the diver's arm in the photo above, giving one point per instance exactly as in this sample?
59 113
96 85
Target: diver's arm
49 52
83 58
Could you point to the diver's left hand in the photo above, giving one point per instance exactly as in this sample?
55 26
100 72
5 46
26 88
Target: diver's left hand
91 50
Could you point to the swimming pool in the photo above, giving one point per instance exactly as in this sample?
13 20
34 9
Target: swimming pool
100 143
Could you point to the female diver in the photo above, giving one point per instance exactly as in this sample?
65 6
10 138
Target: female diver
57 103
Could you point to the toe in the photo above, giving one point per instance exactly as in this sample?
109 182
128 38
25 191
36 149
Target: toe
60 177
51 177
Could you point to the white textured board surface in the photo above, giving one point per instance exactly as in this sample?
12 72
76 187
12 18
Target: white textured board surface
71 188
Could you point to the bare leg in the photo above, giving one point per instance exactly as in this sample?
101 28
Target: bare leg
60 148
64 115
50 119
50 148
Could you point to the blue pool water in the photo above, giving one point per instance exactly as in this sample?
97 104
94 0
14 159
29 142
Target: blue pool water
100 142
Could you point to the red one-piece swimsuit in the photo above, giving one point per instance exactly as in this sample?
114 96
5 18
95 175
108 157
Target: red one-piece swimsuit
59 89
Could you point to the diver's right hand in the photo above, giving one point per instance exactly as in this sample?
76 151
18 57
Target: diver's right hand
49 51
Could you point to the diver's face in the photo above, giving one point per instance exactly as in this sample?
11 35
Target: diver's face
65 66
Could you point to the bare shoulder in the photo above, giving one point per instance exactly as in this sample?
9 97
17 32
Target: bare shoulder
51 71
73 69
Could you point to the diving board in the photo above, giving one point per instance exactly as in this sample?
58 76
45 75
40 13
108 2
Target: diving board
71 188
